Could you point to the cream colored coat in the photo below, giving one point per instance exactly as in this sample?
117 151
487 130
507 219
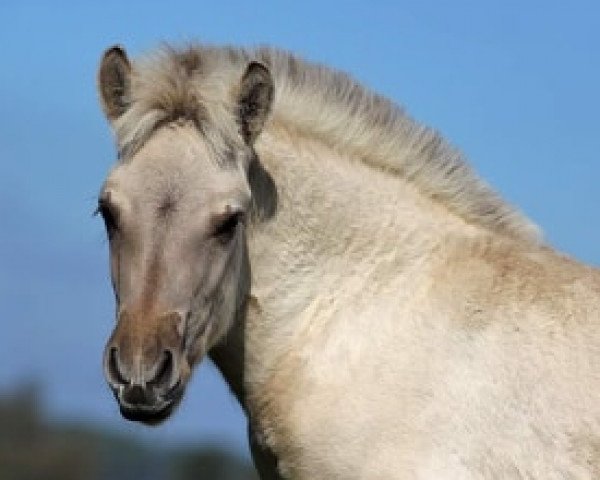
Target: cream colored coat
402 322
388 352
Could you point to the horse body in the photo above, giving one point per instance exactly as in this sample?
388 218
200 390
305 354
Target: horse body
378 318
414 345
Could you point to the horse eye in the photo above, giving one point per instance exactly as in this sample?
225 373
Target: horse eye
227 227
109 215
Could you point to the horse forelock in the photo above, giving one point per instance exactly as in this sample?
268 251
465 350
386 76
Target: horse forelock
200 84
172 86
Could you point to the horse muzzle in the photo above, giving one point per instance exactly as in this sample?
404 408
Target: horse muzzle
146 368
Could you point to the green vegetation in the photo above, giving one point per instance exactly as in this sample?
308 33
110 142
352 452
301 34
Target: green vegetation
33 448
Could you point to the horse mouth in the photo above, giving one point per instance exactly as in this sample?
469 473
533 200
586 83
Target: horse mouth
151 412
146 414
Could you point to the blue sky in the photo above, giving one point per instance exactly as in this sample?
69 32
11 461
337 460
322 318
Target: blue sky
515 85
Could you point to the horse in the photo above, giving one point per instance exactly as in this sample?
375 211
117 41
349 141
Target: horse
376 308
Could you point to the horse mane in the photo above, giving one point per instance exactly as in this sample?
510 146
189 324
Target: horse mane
200 83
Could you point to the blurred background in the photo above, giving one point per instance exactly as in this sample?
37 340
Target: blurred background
515 85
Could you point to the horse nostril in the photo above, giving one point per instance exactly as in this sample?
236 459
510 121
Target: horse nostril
164 370
113 370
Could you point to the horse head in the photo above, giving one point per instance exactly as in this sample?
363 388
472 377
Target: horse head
175 208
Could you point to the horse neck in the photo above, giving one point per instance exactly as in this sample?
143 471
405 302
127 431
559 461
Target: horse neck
339 226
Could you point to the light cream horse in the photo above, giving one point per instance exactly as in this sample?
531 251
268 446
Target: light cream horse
378 311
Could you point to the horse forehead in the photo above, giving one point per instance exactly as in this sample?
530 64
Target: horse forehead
151 174
176 165
182 159
168 190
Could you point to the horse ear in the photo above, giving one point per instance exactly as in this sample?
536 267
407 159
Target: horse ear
114 82
255 98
